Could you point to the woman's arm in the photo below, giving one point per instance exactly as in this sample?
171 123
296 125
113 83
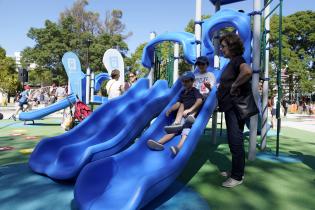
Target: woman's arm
244 75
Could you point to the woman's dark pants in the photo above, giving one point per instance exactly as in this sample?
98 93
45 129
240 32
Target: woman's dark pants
235 129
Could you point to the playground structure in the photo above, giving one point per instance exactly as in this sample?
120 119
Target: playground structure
99 159
78 89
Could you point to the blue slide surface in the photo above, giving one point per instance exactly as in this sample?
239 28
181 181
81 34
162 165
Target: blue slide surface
105 132
137 175
40 113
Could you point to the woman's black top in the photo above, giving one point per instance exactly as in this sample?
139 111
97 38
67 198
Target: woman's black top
227 79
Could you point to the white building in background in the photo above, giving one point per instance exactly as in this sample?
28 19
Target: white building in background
17 58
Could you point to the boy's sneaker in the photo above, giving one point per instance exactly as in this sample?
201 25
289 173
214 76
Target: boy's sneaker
154 145
174 150
14 117
189 121
174 128
230 182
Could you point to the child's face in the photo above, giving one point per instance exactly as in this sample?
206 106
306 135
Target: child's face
202 67
188 83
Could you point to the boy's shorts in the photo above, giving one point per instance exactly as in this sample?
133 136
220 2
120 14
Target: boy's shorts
185 131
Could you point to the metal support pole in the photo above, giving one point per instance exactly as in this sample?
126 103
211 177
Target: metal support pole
255 80
92 87
279 80
216 48
151 73
87 83
69 87
176 59
198 27
266 76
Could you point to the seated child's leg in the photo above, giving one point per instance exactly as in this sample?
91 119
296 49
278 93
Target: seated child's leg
166 138
182 141
158 145
175 149
179 114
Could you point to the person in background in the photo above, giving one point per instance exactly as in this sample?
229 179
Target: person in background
52 93
132 80
23 100
114 87
274 100
285 107
60 93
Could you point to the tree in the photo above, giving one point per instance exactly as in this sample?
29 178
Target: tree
77 30
134 62
8 76
298 48
190 27
113 24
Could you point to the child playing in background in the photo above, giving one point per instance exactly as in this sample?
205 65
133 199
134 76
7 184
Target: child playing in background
187 107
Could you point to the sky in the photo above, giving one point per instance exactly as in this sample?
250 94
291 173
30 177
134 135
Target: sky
140 16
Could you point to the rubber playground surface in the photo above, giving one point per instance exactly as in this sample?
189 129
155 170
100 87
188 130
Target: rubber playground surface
268 184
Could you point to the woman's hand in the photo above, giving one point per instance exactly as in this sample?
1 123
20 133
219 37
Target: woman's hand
235 91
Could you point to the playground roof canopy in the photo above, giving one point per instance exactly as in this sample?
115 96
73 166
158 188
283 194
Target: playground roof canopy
223 2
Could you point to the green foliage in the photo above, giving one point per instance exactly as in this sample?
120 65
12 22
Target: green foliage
79 31
8 76
134 62
191 24
298 48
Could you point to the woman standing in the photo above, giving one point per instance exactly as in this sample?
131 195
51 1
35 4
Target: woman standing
132 80
235 81
114 87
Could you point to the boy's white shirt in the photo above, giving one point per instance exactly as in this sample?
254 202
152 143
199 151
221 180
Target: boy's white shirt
200 79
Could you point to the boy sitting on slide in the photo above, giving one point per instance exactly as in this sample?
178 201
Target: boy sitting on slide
187 107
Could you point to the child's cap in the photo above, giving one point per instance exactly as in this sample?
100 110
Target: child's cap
202 60
188 75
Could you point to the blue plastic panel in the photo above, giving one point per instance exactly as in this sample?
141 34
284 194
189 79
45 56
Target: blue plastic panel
99 79
226 18
187 40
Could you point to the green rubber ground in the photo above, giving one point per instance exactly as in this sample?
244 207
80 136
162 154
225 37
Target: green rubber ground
268 185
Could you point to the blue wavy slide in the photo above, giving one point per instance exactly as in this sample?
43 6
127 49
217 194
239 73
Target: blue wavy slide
40 113
134 177
105 132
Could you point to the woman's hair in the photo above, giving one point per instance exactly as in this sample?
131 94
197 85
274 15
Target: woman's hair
115 74
234 43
